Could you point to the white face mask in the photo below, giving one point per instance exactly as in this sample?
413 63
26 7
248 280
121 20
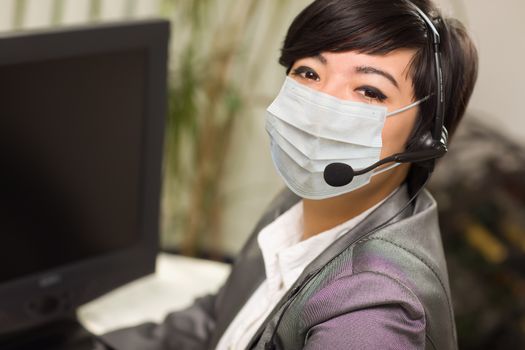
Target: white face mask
309 130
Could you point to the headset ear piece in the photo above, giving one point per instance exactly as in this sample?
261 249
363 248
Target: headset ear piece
428 149
427 141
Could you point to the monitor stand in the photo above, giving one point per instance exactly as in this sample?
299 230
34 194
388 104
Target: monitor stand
60 335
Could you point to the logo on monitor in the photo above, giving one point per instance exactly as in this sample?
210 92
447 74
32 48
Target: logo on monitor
49 280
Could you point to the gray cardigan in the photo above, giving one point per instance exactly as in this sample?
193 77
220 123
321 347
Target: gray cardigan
377 287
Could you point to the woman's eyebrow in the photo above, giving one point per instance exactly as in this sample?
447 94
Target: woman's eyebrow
372 70
320 58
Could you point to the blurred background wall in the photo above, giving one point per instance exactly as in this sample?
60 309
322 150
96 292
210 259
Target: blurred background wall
218 171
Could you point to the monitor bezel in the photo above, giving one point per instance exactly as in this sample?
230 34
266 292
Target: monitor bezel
23 300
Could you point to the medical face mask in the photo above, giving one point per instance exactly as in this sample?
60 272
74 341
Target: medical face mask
309 130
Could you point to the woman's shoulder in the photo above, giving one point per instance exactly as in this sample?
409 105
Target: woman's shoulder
400 263
412 244
400 268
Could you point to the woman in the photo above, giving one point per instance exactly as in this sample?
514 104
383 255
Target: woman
344 261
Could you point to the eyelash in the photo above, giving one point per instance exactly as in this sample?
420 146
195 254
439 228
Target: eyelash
376 94
302 71
369 92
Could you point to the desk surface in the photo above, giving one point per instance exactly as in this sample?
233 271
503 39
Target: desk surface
176 283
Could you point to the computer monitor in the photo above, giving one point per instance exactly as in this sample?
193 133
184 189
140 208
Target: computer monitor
82 114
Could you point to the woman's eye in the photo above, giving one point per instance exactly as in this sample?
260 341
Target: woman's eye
306 73
372 94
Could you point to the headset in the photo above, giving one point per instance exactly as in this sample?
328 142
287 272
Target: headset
431 146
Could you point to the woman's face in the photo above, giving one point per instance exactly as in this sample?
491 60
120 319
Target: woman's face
375 79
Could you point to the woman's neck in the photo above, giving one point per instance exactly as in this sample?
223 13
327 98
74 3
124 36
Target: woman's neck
322 215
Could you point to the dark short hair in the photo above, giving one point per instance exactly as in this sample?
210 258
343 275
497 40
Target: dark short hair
382 26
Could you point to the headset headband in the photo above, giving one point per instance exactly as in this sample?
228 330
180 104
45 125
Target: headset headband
439 122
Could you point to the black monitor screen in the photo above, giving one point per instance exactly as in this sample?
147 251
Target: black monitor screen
70 149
